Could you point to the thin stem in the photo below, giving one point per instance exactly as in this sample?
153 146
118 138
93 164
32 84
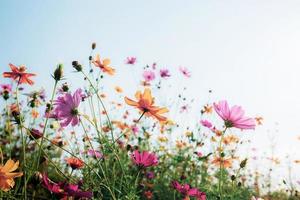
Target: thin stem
45 125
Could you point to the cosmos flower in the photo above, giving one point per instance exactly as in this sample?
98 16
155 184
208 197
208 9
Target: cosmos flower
206 123
227 163
145 103
144 159
7 175
234 116
103 65
75 163
94 153
118 89
130 60
64 190
149 75
18 74
187 191
185 72
5 87
66 109
164 73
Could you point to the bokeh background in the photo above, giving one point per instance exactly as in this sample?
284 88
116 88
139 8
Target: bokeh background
244 51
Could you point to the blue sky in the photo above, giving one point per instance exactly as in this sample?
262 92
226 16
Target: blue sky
245 51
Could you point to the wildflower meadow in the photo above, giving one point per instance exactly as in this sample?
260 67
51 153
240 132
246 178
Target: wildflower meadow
77 143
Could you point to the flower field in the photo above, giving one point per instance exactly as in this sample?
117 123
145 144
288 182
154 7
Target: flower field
82 143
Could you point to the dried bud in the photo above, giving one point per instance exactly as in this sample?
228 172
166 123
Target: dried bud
93 45
77 66
232 177
35 134
58 73
243 163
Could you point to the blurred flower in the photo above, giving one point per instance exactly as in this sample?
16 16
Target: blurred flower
149 75
130 60
75 163
148 194
233 117
144 159
227 163
118 89
187 191
207 109
35 134
185 72
64 190
145 103
206 123
7 175
66 108
18 74
164 73
150 175
94 153
104 65
259 120
5 87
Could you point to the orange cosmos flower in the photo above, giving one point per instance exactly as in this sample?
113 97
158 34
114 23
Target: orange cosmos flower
104 65
230 139
75 163
227 163
34 114
207 109
145 103
118 89
18 73
7 175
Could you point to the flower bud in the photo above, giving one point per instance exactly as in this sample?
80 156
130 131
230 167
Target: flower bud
58 73
243 163
77 66
93 45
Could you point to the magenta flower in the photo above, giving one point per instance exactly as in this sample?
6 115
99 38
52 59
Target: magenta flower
64 190
130 60
206 123
66 109
164 73
6 87
185 72
135 129
94 153
149 75
234 116
187 191
144 159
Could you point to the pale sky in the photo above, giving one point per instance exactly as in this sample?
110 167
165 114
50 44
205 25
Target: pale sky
245 51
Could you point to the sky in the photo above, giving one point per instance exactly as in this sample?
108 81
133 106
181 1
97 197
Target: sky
247 52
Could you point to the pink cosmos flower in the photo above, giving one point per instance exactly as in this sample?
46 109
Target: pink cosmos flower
6 87
144 159
66 109
187 191
164 73
234 116
206 123
130 60
94 153
149 75
185 72
135 129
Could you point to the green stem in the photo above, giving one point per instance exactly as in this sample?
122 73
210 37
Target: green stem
45 126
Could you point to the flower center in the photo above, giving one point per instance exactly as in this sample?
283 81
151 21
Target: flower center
74 111
228 124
